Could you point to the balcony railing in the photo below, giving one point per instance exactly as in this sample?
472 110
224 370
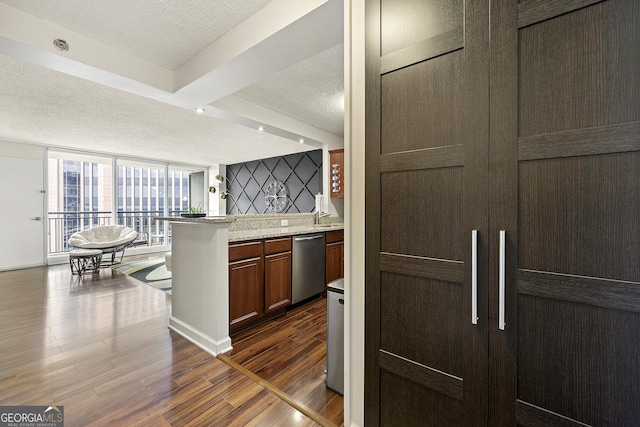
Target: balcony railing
62 225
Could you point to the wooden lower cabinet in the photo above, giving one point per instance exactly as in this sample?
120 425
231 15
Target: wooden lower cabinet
259 281
246 284
334 255
277 274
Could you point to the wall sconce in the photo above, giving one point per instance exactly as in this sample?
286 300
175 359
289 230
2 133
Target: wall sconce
218 178
224 195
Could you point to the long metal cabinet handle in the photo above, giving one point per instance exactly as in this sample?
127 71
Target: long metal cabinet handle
474 277
501 281
298 239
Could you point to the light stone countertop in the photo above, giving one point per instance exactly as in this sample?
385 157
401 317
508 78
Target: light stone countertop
201 220
238 234
267 233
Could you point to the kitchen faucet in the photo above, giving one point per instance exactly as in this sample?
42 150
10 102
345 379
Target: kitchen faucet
317 215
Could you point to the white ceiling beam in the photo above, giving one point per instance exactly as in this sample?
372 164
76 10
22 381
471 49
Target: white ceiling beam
279 36
272 18
30 38
275 122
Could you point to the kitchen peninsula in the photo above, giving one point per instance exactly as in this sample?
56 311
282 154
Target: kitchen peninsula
237 270
199 298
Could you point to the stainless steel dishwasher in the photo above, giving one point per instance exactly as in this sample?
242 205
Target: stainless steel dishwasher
307 277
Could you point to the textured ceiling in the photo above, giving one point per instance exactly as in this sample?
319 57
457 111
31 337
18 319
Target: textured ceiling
38 104
315 99
103 110
165 32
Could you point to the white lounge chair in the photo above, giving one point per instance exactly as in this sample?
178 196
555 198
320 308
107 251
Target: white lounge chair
111 239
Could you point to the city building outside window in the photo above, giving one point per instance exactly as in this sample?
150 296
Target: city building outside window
82 191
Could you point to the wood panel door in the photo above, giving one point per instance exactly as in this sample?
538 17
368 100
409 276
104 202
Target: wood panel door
334 261
246 292
426 152
565 187
334 255
277 281
546 172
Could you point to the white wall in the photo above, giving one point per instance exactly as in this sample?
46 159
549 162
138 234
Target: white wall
21 151
354 210
217 206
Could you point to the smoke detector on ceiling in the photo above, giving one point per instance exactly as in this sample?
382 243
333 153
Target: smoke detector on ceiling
61 45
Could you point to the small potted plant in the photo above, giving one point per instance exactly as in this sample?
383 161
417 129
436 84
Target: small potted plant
194 212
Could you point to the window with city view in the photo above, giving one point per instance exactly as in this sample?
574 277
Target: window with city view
83 193
80 195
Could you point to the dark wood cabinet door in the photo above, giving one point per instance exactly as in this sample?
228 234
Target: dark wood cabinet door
556 214
565 138
246 292
277 281
334 261
427 91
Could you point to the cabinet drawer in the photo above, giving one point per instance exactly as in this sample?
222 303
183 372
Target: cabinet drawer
334 236
245 250
277 245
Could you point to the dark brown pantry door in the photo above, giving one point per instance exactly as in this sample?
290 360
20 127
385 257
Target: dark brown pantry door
565 186
427 132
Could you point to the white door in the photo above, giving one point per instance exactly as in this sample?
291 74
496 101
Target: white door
22 213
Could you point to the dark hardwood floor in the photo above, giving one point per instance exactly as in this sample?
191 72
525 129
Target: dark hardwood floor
100 347
290 353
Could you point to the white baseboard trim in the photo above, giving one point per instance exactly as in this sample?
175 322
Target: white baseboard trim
22 267
205 342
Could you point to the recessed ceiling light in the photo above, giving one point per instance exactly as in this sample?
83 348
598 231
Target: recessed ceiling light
261 128
61 45
199 110
301 141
